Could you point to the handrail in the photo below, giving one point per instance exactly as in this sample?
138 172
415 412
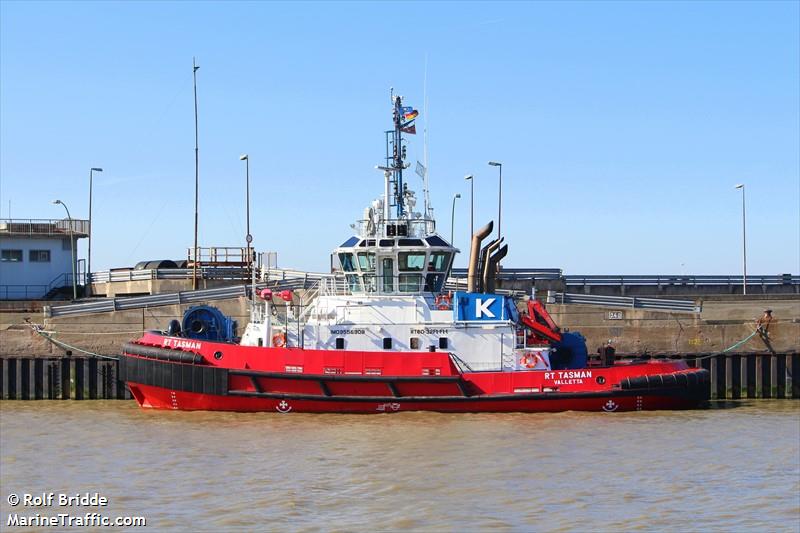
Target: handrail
44 226
693 280
653 304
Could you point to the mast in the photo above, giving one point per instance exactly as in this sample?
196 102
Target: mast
398 153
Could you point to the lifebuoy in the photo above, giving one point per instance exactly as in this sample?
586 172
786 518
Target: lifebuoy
442 302
530 360
279 340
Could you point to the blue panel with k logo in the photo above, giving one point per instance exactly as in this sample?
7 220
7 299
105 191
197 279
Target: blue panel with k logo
473 306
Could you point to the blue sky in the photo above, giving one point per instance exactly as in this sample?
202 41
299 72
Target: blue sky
623 127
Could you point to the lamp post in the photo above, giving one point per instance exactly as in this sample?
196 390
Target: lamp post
196 177
453 216
249 237
471 179
499 194
89 259
72 248
744 243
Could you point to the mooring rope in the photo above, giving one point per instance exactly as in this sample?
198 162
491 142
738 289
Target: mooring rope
726 350
64 346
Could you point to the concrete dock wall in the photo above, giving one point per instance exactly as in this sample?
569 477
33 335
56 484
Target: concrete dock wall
722 323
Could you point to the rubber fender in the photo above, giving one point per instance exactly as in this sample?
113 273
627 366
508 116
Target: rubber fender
655 381
638 382
670 380
162 354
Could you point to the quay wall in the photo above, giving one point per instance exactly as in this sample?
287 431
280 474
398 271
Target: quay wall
32 367
723 322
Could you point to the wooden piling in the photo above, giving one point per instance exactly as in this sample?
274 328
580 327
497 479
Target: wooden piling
736 376
733 376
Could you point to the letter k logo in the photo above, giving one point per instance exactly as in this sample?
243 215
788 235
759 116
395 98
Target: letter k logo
482 308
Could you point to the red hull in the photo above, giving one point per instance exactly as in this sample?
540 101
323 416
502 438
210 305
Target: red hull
160 398
171 373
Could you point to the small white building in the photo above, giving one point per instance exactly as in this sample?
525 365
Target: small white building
37 255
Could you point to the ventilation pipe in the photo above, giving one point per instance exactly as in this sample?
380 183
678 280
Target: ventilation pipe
485 272
474 251
493 262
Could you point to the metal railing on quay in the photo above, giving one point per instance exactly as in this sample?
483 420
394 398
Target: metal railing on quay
654 304
667 280
510 274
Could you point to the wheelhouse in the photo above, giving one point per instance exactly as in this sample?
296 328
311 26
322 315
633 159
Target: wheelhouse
395 264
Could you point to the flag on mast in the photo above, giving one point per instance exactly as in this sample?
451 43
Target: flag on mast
421 170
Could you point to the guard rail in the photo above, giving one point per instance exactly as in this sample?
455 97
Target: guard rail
652 304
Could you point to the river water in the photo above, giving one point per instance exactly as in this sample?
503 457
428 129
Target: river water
732 469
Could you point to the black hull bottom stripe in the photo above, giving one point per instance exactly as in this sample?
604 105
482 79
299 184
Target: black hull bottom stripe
689 395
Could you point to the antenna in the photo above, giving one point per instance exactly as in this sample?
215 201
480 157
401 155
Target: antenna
425 183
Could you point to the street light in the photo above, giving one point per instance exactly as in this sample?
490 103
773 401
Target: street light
89 261
744 243
72 248
249 237
471 180
499 194
453 216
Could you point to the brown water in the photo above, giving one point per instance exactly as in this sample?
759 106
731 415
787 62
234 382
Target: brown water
719 469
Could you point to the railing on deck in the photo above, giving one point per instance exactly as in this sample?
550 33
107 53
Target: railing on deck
416 229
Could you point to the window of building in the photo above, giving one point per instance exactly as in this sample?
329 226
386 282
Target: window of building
39 256
11 256
414 343
387 343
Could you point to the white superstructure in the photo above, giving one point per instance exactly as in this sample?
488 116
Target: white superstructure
387 290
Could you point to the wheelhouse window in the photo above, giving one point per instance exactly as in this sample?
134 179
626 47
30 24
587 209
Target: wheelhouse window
39 256
437 267
11 256
410 262
346 260
366 262
439 261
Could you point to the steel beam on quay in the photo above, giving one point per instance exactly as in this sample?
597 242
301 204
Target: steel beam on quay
733 376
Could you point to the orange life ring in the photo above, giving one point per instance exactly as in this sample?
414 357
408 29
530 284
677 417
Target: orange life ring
530 360
279 340
442 302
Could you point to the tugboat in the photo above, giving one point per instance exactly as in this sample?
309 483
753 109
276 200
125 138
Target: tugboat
382 334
